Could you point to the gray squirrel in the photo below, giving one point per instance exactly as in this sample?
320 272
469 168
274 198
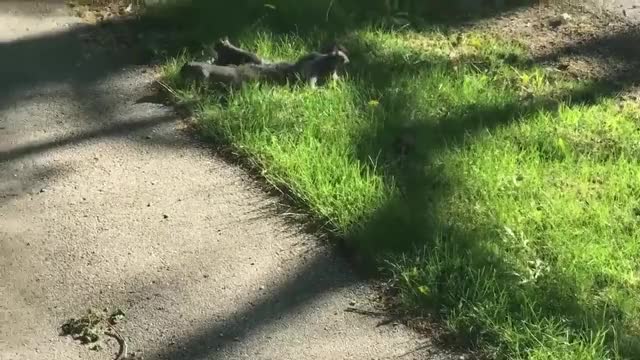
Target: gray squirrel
234 67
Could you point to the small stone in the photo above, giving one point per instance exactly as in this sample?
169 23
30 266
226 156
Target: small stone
148 137
165 216
43 190
205 276
148 204
253 263
352 302
236 339
90 17
560 20
261 288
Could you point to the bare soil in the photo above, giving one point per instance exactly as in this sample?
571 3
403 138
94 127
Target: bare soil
597 43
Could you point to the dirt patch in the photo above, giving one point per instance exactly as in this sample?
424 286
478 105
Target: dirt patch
589 44
94 12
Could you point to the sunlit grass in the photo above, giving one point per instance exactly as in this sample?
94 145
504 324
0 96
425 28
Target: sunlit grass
515 217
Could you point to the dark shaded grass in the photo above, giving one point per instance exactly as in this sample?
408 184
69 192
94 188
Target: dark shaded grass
200 22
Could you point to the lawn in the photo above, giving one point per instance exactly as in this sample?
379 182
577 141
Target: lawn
511 215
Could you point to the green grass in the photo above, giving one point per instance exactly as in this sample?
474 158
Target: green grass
514 219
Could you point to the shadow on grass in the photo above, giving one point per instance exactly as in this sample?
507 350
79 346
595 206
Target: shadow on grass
464 272
200 22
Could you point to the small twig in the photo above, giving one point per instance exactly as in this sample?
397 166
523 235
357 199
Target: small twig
122 354
426 346
329 10
166 87
365 312
389 318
